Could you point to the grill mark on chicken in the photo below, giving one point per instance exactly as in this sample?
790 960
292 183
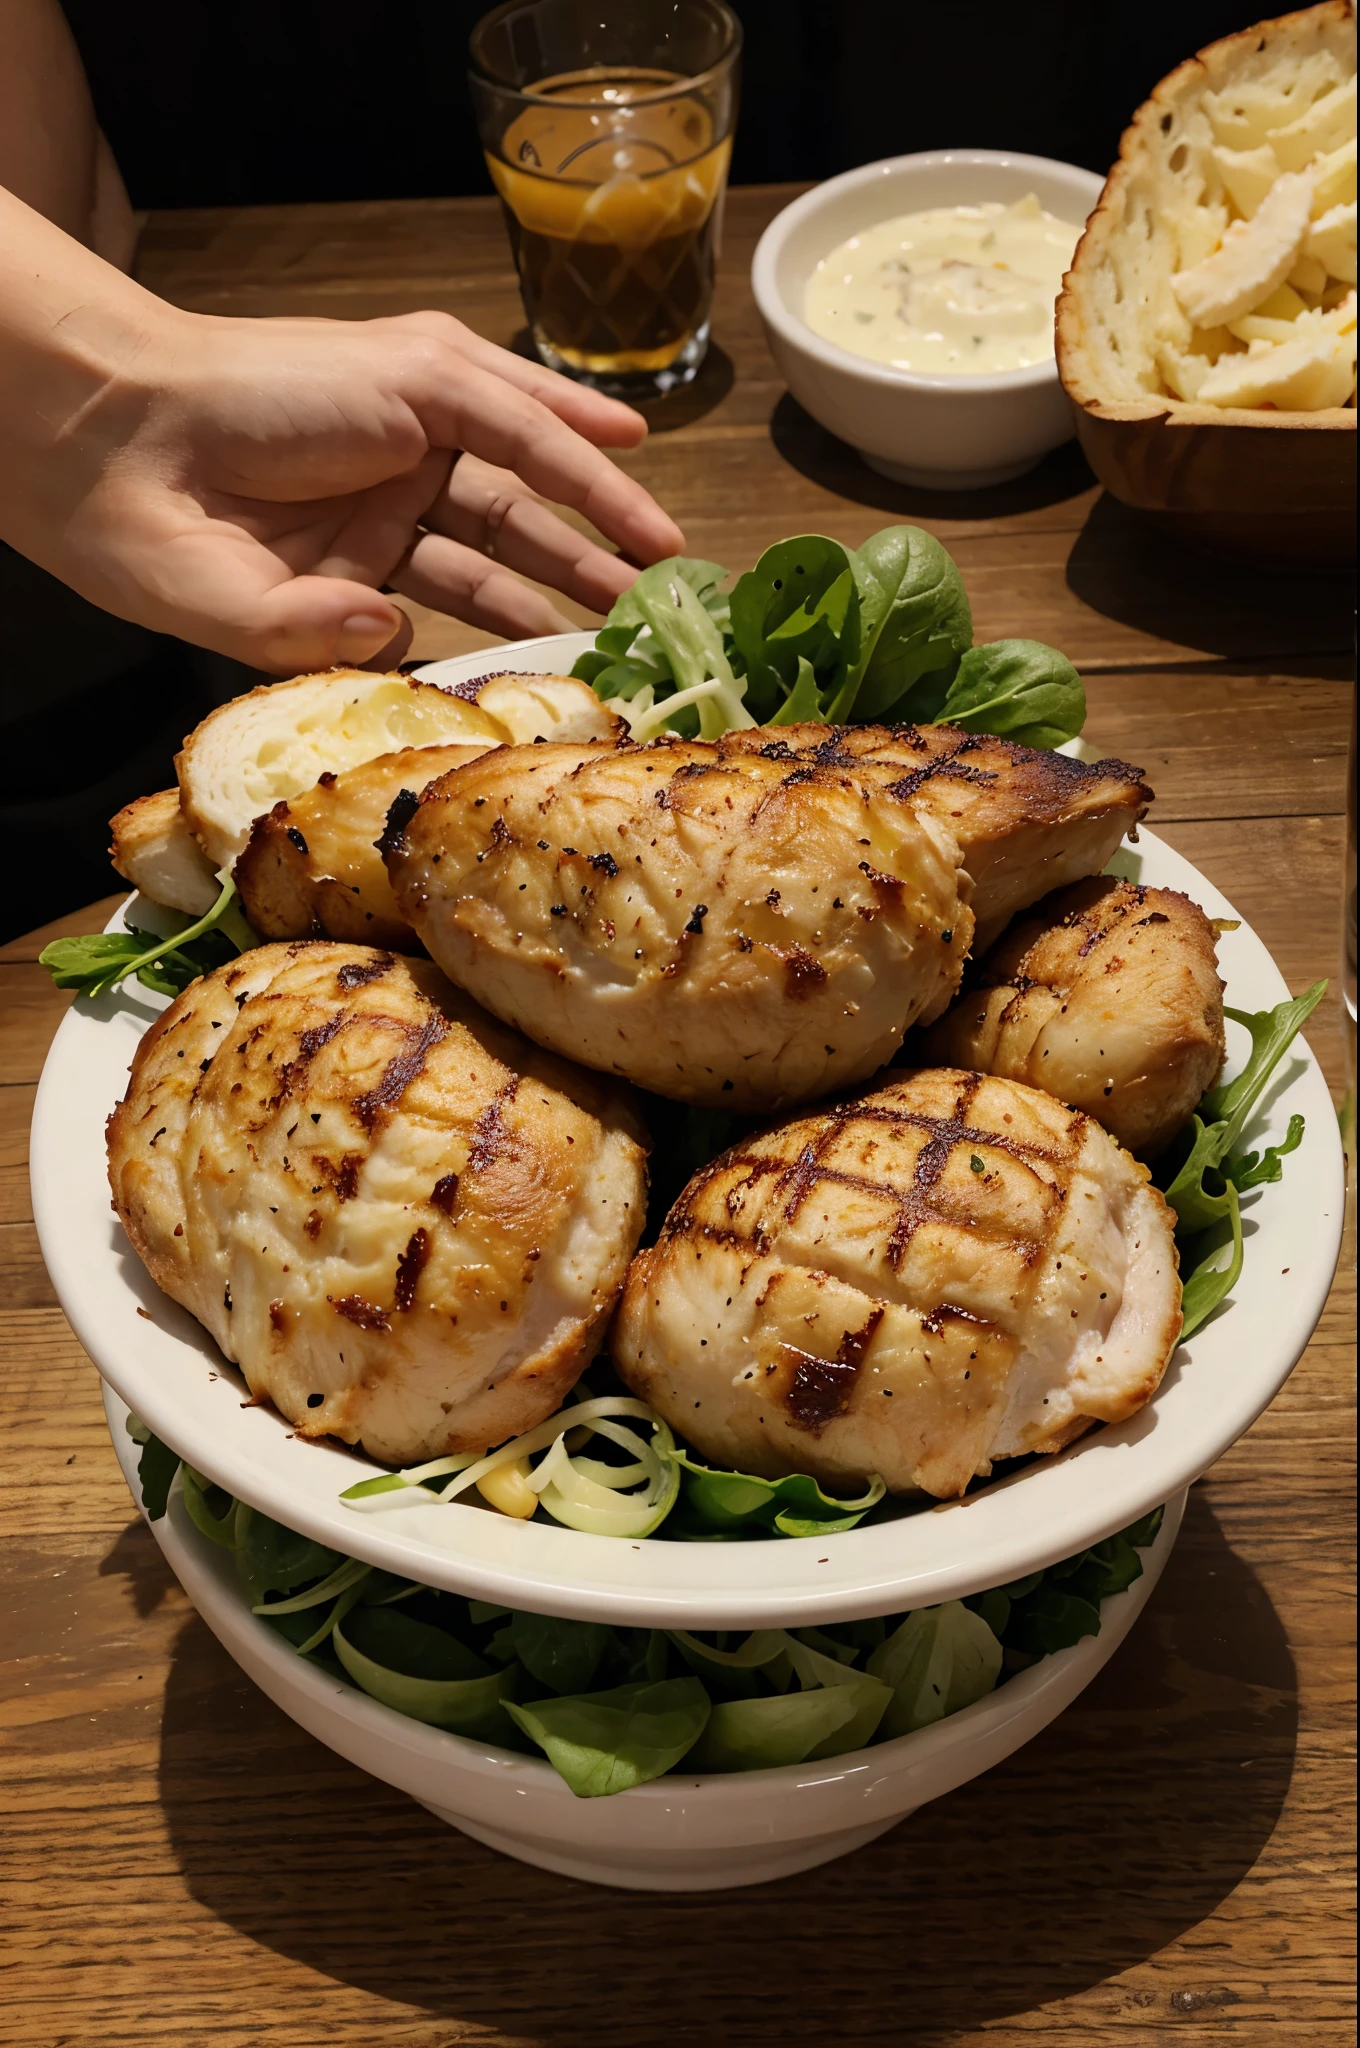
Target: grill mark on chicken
410 1265
491 1138
400 812
401 1071
293 1073
820 1388
916 1205
366 1314
357 974
344 1178
444 1193
802 974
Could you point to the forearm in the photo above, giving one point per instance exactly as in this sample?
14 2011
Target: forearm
72 331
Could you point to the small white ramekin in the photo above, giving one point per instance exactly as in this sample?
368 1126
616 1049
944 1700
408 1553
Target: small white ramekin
942 433
681 1833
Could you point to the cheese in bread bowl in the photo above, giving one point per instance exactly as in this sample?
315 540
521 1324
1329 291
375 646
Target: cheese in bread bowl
1206 330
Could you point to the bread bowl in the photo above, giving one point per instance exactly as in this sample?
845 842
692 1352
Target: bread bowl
1257 479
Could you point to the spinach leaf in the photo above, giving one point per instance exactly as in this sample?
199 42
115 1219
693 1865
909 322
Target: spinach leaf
272 1559
100 960
869 1696
412 1648
803 705
468 1706
741 1673
800 603
739 1503
156 1469
914 619
200 1502
606 1742
1018 688
1049 1620
563 1655
783 1728
940 1659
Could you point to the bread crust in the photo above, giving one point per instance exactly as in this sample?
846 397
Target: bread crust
1134 203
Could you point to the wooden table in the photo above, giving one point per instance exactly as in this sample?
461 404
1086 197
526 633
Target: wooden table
183 1865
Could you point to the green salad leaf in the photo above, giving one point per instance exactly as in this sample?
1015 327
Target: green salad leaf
820 633
609 1741
156 1468
915 622
726 1504
717 1702
1020 689
939 1660
474 1706
1206 1181
100 960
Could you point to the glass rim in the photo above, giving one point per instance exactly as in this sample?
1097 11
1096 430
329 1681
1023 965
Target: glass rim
484 76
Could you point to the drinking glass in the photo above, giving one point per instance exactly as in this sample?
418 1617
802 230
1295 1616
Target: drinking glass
608 141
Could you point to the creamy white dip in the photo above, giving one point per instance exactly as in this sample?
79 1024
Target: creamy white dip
957 291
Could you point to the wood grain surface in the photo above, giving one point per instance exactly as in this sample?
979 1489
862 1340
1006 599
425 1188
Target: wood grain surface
1171 1859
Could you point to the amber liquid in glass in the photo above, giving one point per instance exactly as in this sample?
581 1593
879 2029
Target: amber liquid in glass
613 203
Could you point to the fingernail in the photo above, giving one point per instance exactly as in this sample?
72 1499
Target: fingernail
367 623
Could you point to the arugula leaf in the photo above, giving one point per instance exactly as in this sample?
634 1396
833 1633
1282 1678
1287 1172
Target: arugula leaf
915 619
606 1742
1020 689
938 1660
1253 1170
803 705
1204 1285
563 1655
101 960
1205 1187
1271 1034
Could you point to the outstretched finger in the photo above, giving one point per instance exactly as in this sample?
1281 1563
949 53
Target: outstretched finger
462 406
605 421
450 578
490 510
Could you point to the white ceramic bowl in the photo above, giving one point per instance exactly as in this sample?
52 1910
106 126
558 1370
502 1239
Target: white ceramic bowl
946 433
679 1834
167 1367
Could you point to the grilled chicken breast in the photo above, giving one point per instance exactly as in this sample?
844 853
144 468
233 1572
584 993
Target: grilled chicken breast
153 848
1107 995
951 1271
404 1224
712 923
312 866
1028 821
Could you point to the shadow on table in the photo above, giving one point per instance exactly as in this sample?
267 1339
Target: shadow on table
1119 1828
1123 567
838 467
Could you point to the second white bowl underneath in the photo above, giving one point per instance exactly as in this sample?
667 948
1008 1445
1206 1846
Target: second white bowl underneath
955 433
680 1833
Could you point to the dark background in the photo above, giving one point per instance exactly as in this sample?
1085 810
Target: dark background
253 101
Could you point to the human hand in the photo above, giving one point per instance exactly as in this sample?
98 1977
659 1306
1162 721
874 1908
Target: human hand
250 484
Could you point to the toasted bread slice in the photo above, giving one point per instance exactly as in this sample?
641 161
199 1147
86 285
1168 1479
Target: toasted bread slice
278 740
154 849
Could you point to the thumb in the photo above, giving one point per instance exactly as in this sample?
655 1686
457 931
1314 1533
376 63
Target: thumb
315 622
